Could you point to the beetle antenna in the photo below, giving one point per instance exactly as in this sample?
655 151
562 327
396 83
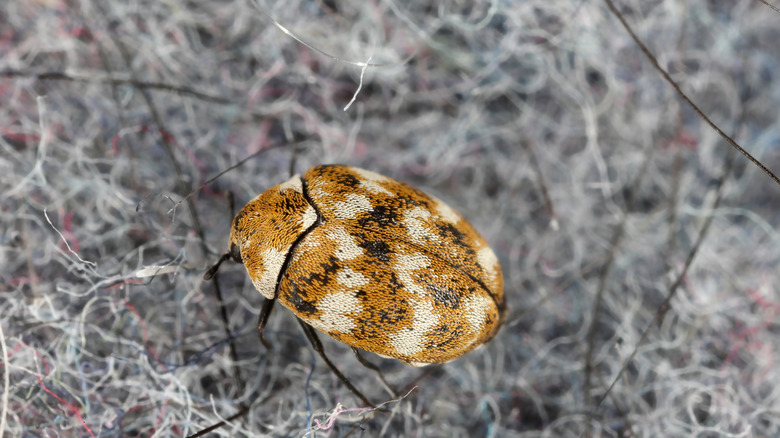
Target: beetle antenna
213 270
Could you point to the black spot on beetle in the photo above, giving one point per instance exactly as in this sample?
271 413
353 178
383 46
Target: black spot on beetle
347 180
328 269
444 296
288 204
451 232
391 316
377 249
408 203
297 298
440 329
395 285
380 216
446 336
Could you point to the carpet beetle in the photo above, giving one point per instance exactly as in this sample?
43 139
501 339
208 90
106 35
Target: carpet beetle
372 262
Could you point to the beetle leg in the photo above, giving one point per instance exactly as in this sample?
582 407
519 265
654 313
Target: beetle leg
311 334
363 361
268 305
213 270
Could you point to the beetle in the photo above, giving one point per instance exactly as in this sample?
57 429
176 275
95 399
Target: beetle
372 262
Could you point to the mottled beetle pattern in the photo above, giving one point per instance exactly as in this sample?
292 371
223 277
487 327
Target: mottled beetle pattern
372 262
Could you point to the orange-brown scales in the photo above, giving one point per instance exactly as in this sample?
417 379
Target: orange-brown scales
374 263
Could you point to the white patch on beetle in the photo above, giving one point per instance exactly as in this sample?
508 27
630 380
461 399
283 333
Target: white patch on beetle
409 341
369 175
446 212
351 279
371 181
375 187
405 267
265 283
306 243
414 220
475 309
308 218
293 183
352 206
337 310
347 249
486 258
318 193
